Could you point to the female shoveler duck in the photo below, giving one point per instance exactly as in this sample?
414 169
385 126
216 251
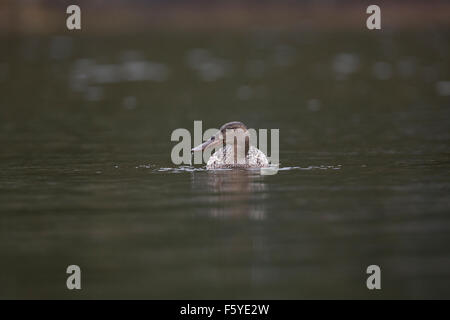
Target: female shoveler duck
236 151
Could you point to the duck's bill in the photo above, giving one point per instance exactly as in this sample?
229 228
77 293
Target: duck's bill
207 144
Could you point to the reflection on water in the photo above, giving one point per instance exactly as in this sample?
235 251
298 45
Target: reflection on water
239 193
239 196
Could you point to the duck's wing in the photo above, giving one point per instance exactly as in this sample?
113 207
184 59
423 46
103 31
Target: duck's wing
257 158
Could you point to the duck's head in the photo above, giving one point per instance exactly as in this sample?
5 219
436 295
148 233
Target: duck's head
233 133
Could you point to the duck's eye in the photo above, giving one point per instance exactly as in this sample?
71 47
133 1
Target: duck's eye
213 138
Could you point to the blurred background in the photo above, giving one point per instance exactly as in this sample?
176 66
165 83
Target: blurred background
85 170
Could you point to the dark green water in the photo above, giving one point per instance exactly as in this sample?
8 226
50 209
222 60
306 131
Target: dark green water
85 126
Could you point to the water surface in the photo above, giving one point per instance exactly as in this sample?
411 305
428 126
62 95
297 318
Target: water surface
86 176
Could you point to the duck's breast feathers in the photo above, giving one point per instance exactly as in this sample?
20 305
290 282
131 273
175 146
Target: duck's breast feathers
223 159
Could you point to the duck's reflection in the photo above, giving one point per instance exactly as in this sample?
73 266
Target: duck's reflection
239 198
232 193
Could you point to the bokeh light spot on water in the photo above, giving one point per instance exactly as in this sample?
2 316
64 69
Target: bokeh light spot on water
87 73
207 67
345 64
443 88
313 105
